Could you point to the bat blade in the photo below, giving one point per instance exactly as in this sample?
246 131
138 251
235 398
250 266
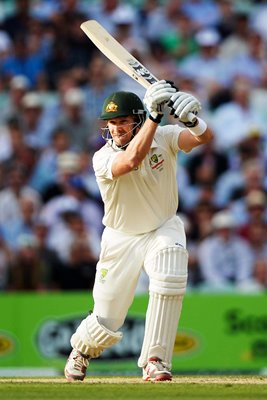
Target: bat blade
116 53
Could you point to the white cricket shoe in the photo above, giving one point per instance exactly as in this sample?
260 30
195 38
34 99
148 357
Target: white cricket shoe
156 370
75 369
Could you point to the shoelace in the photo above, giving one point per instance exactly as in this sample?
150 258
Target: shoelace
80 361
161 366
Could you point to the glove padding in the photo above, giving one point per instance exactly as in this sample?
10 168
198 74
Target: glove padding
183 104
157 95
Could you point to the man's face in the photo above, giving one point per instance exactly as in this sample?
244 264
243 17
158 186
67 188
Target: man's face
121 129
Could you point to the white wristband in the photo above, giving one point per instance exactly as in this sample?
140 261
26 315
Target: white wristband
199 129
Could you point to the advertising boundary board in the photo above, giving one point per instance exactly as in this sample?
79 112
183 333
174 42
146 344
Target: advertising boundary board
217 333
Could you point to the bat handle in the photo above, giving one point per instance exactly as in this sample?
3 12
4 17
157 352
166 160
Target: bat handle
192 117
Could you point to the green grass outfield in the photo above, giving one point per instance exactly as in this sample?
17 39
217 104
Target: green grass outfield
183 387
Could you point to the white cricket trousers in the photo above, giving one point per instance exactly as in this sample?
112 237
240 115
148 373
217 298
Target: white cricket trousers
121 261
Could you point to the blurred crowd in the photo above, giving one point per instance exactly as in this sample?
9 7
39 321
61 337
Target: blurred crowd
53 82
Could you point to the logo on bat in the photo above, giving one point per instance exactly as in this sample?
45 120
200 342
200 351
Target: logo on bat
141 71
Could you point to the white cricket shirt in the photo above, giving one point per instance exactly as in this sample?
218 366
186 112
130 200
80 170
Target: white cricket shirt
141 200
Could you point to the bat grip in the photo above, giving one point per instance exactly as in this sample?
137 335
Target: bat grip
192 117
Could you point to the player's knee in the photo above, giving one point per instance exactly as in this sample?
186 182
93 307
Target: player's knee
168 273
113 324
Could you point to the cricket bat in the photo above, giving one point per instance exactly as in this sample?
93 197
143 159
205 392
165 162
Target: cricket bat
113 50
116 53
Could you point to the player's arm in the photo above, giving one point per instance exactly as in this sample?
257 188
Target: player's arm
187 140
136 151
196 131
155 98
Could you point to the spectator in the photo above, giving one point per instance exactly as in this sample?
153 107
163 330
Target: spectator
124 19
19 85
18 22
5 46
247 151
255 203
252 64
87 176
199 177
203 13
103 12
51 264
22 62
125 22
69 40
257 235
206 66
253 179
79 49
258 18
238 115
76 249
45 10
205 168
6 256
100 81
226 22
258 282
29 207
153 14
15 187
74 120
237 42
58 66
45 172
200 218
260 275
40 43
179 42
67 165
36 125
26 271
64 82
194 275
14 149
225 259
159 61
71 193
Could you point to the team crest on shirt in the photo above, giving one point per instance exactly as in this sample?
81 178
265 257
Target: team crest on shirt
111 107
156 162
103 273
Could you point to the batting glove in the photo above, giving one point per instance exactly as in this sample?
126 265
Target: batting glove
183 105
156 97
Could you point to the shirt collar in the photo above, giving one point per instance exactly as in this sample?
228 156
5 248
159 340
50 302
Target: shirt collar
113 145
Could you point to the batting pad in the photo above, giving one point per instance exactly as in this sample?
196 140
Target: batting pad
168 283
92 339
168 271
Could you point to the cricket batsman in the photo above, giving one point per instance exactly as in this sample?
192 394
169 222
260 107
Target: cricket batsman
136 174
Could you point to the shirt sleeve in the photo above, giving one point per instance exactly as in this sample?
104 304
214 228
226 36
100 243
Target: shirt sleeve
102 163
171 134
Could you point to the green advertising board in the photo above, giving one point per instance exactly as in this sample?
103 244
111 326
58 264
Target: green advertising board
217 333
